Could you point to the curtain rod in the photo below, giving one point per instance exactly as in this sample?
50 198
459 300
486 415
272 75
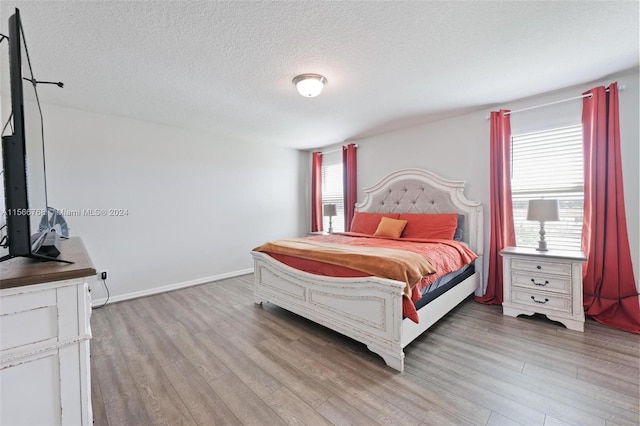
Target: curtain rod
334 150
547 104
621 88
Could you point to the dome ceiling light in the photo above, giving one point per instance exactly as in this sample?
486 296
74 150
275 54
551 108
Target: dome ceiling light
309 85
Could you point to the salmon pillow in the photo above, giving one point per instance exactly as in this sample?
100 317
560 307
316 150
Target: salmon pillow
367 223
391 228
441 226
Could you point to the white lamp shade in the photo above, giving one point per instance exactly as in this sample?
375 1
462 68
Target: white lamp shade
543 210
309 85
329 209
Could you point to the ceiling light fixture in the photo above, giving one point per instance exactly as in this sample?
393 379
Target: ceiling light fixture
309 85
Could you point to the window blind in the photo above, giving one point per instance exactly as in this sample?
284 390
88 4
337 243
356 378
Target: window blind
549 164
332 193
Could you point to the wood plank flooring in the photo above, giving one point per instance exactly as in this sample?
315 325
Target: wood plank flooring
208 355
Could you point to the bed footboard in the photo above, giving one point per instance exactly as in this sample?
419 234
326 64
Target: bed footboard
367 309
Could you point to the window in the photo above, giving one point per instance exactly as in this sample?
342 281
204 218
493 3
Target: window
549 164
332 192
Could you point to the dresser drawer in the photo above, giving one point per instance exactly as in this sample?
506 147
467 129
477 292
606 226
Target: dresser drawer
541 267
553 283
541 301
28 318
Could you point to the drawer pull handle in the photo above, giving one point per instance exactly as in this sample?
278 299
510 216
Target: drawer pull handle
540 301
538 267
540 284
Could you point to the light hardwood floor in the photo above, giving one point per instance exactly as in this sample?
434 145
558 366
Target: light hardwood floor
208 355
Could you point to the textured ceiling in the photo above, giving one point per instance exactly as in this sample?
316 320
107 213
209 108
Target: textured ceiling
226 67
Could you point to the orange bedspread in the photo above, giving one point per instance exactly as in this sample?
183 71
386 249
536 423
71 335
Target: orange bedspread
383 257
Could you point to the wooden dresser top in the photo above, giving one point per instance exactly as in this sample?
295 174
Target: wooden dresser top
21 271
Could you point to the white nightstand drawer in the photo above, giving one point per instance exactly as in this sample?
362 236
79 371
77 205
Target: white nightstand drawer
541 282
541 300
541 267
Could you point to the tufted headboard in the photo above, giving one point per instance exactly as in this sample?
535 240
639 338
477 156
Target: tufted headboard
420 191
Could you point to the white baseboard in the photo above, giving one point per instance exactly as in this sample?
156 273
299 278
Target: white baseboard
170 287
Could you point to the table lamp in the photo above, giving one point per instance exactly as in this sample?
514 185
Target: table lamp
330 210
543 211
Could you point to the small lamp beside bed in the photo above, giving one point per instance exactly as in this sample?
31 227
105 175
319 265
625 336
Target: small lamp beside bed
543 211
330 210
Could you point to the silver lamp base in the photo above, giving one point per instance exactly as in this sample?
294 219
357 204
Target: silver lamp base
542 244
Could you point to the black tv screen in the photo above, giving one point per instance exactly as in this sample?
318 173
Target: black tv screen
25 192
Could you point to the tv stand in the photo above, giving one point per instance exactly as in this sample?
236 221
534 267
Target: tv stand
48 243
44 348
41 257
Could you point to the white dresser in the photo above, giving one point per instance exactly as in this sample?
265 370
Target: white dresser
548 283
44 340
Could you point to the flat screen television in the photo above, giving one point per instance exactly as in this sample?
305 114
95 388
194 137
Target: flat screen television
25 188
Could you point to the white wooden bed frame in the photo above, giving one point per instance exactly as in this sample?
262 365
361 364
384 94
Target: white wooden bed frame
369 309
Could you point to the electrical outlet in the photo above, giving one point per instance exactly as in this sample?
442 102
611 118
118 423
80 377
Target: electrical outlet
103 274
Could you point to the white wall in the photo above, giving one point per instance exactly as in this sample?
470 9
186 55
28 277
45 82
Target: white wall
458 148
196 205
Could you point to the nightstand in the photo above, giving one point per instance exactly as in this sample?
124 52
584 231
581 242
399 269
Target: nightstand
545 282
312 233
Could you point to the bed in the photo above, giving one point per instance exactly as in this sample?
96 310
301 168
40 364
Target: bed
370 309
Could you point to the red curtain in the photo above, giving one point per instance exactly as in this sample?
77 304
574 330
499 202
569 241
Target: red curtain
610 293
316 192
350 181
502 232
